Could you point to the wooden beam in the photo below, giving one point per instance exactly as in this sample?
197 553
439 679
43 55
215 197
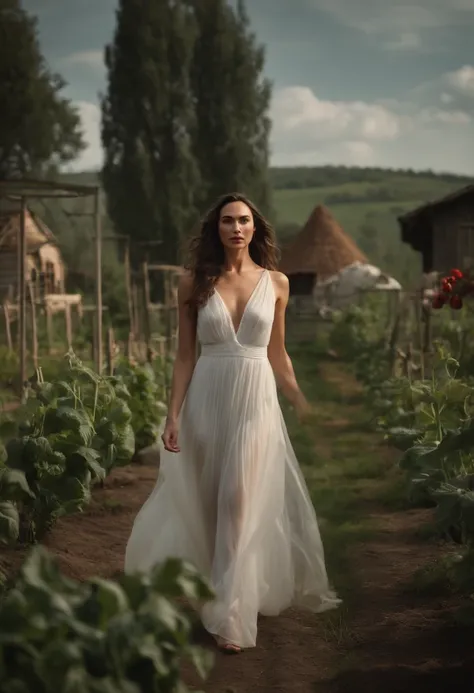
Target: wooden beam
22 250
98 281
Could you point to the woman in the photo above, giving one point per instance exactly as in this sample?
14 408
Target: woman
230 497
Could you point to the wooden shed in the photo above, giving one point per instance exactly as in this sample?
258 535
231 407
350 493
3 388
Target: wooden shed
45 267
318 252
442 231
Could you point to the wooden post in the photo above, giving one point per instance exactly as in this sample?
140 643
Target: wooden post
146 297
67 316
110 351
394 338
98 281
49 327
34 330
136 312
22 249
94 336
128 286
130 340
407 364
8 331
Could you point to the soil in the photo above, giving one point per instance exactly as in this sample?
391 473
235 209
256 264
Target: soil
389 641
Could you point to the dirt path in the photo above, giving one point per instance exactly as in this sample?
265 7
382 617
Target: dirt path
385 639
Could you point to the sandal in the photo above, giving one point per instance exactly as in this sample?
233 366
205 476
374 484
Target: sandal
228 647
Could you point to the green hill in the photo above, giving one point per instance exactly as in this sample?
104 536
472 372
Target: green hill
365 201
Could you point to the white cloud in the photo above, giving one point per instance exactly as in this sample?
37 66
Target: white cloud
432 128
296 108
91 157
411 134
400 24
93 59
454 89
462 80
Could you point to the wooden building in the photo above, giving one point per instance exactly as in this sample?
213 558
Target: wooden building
44 267
442 231
318 252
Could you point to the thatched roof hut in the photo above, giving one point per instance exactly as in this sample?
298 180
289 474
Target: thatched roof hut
319 252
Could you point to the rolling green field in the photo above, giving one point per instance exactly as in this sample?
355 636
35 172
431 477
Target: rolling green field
365 202
367 210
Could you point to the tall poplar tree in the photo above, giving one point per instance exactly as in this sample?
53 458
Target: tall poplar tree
232 98
149 173
39 128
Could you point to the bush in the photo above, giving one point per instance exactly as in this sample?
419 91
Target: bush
101 636
68 436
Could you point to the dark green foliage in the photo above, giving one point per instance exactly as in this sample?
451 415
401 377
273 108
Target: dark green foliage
67 437
39 128
232 100
149 175
100 636
146 402
299 177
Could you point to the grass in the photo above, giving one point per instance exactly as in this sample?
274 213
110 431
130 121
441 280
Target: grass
347 468
296 205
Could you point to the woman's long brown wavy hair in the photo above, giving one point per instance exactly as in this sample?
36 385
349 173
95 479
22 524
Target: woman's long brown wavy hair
206 252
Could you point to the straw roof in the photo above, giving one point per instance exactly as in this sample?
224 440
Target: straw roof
321 248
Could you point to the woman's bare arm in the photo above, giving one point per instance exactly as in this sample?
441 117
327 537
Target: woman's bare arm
277 354
185 360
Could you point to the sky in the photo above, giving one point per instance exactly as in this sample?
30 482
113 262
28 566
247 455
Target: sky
355 82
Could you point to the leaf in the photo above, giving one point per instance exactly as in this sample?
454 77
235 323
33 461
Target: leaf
452 442
8 429
163 610
26 452
119 413
54 663
66 418
88 458
9 522
403 438
125 442
202 659
71 492
13 485
415 458
45 392
111 597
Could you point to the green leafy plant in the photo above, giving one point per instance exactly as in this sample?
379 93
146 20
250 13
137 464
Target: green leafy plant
102 636
146 401
68 436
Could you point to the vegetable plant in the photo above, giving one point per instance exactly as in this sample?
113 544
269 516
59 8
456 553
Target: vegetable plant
68 436
101 636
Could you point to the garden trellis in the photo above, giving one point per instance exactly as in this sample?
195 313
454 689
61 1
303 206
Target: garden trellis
19 191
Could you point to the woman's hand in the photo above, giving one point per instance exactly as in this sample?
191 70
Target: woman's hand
302 407
170 436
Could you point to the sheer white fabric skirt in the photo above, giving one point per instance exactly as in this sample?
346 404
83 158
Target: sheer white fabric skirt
234 502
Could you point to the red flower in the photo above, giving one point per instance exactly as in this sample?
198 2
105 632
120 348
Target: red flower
438 301
457 274
447 286
455 302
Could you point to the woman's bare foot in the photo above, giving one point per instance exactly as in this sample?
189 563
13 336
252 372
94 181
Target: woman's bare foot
227 647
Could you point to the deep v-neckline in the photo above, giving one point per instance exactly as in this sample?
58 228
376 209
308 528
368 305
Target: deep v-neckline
249 300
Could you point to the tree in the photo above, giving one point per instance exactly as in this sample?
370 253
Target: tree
39 129
149 173
232 101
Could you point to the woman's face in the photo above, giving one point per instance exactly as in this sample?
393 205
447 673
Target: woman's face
236 226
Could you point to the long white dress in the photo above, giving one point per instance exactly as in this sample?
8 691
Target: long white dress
233 501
